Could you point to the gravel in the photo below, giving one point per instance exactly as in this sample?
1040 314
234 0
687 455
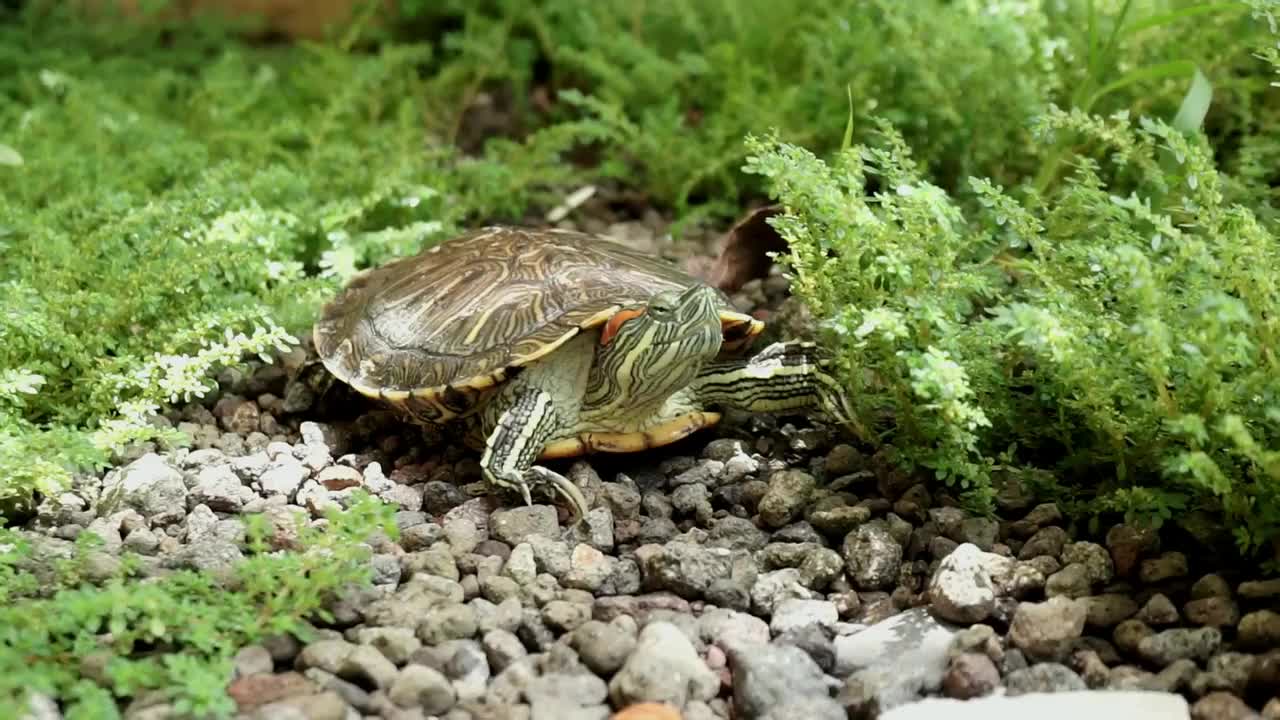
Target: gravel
762 571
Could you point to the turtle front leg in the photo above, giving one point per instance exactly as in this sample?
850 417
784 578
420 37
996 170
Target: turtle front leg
520 433
784 376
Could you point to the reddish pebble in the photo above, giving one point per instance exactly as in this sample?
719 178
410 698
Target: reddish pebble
647 711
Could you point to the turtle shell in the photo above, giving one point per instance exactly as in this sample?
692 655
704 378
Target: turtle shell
435 331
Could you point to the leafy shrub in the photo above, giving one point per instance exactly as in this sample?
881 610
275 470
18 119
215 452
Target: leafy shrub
1121 334
673 87
172 637
177 207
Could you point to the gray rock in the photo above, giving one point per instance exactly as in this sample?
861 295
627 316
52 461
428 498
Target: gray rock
894 661
516 525
557 688
789 491
798 612
421 536
962 589
970 675
386 569
872 557
1260 589
412 600
503 616
597 529
1097 562
283 477
1259 630
589 568
773 588
422 687
1110 609
815 641
772 681
1159 610
468 669
221 489
664 667
1228 671
1216 612
1046 630
727 627
253 660
502 648
979 531
1165 647
150 486
1049 677
1130 705
41 707
820 568
1071 581
1047 541
521 566
603 647
682 568
327 705
367 666
435 560
563 616
213 545
552 556
1170 565
396 643
735 533
693 500
447 621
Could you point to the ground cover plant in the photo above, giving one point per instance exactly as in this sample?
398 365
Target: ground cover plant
1041 251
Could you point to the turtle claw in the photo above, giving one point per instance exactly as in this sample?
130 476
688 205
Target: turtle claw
566 489
524 493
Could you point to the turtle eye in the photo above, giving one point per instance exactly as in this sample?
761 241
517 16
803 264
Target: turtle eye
662 305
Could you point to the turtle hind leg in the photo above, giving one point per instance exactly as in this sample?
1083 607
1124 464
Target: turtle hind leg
520 433
784 376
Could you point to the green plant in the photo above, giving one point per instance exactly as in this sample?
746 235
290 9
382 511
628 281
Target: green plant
186 204
671 88
1121 334
92 646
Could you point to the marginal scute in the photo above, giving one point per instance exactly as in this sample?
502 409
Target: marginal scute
446 325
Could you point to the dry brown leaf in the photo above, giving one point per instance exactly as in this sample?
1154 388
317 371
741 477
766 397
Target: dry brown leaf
744 252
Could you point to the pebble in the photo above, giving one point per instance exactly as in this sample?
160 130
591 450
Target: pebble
762 579
872 557
1047 630
772 681
788 492
962 589
516 525
422 687
798 612
663 667
149 485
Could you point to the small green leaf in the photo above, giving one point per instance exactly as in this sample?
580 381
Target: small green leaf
848 126
9 156
1195 104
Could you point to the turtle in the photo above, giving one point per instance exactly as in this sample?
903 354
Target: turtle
547 343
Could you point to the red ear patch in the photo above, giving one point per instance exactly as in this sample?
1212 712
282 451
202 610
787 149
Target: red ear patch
615 322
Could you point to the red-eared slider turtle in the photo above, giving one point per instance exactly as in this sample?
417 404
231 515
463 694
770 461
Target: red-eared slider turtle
550 344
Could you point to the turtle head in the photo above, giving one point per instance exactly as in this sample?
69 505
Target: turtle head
651 350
